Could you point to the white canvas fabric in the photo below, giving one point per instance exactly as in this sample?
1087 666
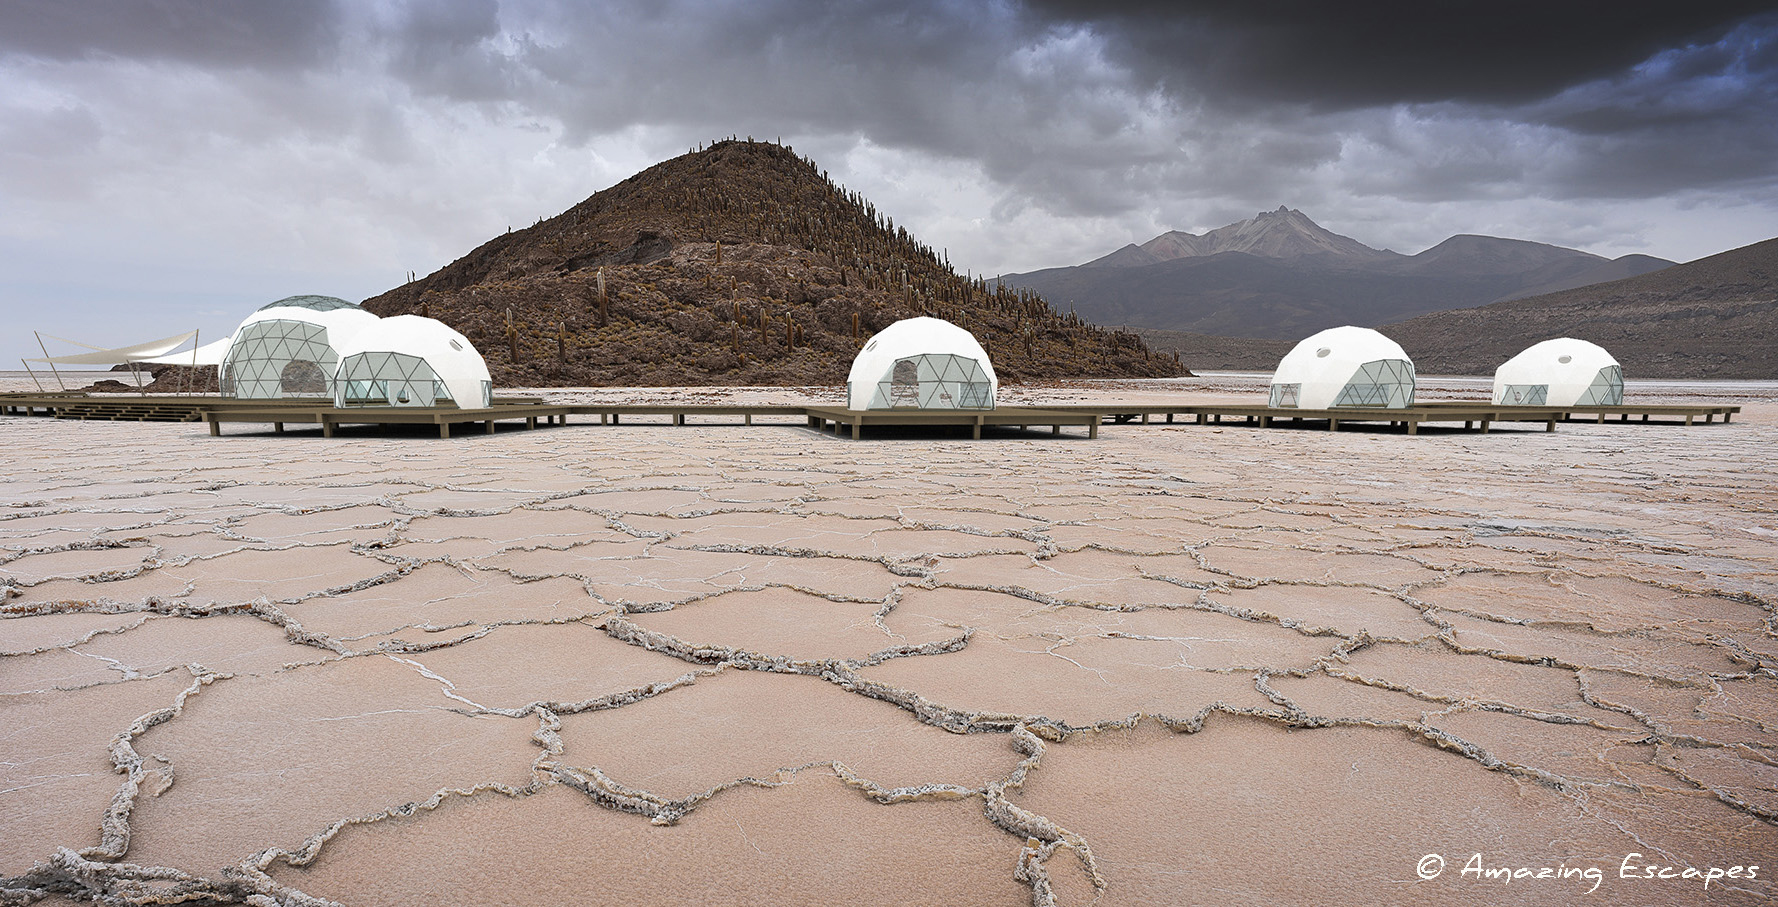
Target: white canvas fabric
1560 372
290 348
1344 366
139 352
408 360
209 354
922 363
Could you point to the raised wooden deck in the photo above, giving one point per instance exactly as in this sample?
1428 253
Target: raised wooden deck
1023 417
533 412
1472 415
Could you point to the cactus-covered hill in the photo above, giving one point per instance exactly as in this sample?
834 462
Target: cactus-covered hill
741 263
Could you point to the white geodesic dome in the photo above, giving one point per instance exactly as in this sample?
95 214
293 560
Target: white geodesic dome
290 348
921 363
408 360
1560 372
1344 366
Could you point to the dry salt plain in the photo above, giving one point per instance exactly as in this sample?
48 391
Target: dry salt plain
720 665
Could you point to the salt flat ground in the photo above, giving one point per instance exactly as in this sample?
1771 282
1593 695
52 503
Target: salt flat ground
643 664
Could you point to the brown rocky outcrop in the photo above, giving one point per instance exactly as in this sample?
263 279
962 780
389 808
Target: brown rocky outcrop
741 263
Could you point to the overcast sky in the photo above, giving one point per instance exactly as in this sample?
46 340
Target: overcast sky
178 163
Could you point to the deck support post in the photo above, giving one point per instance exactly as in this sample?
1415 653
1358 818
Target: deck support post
1550 425
326 428
215 428
444 430
856 424
278 427
490 424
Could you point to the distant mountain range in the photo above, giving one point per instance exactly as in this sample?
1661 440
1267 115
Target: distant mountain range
1283 276
1716 317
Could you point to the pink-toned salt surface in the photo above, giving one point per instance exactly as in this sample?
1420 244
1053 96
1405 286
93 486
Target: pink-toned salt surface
647 664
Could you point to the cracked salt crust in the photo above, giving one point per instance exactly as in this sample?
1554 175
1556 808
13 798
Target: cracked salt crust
672 665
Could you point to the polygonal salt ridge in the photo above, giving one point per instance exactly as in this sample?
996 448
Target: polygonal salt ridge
917 564
100 575
626 631
1558 575
1052 601
114 828
1042 836
1330 666
23 525
1728 648
374 517
69 873
1035 535
261 608
590 581
604 791
74 641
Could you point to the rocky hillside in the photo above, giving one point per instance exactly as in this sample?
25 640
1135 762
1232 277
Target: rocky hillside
1716 317
741 263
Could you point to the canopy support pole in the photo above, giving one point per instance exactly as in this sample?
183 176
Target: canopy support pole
33 374
189 381
52 365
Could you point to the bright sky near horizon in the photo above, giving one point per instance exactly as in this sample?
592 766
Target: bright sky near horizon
174 165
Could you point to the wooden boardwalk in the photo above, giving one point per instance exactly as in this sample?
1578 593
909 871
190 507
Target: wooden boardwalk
1472 415
533 412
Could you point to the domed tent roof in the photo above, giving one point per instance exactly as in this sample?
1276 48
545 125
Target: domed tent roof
1344 366
408 360
289 348
313 303
1560 372
924 363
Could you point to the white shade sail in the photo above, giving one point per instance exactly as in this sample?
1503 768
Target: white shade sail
139 352
209 354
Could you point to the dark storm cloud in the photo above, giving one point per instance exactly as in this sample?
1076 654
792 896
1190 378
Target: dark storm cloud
231 33
1090 109
1346 55
1018 124
1081 108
